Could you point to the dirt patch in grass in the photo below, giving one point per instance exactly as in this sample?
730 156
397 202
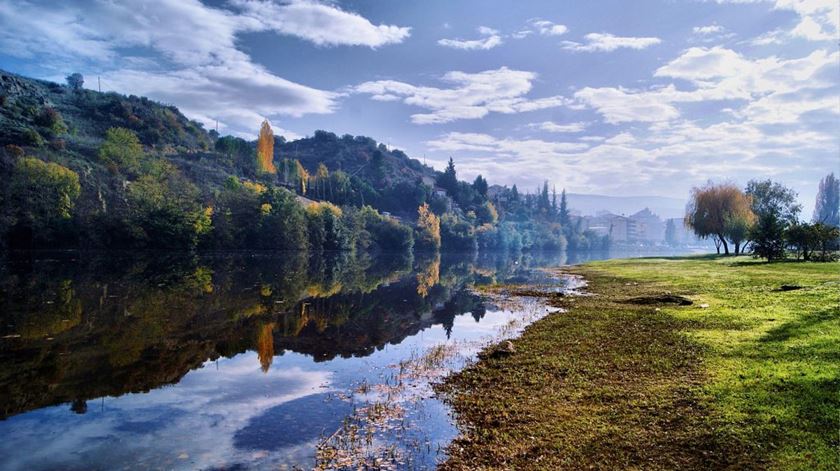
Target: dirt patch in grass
605 385
660 300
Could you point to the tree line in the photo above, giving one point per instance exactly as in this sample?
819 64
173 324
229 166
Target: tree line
764 219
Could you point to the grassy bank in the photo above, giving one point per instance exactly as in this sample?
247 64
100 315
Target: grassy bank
748 376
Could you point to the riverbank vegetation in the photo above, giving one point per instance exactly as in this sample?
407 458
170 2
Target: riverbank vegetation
92 170
632 376
764 219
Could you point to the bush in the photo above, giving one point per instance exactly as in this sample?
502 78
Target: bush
51 119
32 138
815 242
457 235
121 149
386 234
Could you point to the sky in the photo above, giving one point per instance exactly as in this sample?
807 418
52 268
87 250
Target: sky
602 97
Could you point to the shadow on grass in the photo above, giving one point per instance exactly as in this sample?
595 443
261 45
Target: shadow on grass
798 389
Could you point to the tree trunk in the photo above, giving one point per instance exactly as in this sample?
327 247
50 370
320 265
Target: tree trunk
725 245
737 248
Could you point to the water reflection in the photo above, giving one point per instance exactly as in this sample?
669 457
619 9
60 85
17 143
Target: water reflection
257 351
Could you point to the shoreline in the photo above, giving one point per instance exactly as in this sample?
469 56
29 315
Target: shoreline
633 376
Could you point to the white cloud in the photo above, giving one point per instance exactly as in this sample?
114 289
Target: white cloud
819 20
809 29
619 105
490 40
548 28
709 29
188 55
471 96
321 23
605 42
550 126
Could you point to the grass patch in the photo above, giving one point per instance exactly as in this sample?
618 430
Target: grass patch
750 381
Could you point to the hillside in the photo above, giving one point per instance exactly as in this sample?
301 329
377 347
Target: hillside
29 107
105 170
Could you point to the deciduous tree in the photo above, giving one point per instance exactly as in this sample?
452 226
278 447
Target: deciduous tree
265 149
719 211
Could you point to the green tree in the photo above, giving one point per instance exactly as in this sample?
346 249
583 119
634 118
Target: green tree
283 224
769 197
42 197
121 150
164 211
480 186
486 214
564 210
768 237
448 180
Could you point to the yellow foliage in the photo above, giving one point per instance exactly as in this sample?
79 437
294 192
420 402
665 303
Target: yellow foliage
257 188
265 346
429 225
265 209
265 149
429 277
303 176
322 207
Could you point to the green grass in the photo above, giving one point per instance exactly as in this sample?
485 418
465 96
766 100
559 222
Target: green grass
751 381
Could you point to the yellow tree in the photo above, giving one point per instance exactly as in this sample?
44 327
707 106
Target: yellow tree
428 228
302 175
265 149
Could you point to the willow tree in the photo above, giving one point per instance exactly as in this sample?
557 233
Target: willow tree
265 149
722 212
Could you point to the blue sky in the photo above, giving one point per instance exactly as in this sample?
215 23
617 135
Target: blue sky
612 97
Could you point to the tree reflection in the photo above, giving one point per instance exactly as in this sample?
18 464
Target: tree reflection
265 345
94 326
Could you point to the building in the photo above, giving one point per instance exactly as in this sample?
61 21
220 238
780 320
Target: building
648 226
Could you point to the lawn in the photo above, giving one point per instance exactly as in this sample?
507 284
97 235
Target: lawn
747 376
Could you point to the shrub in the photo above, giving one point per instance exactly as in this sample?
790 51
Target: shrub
32 137
51 119
13 151
121 149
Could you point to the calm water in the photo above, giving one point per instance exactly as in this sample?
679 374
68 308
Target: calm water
241 361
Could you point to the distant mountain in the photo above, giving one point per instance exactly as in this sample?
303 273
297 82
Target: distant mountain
663 207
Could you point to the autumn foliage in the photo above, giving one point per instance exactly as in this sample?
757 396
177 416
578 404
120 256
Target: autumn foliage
265 149
722 212
428 228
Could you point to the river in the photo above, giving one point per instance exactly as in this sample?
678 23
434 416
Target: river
244 361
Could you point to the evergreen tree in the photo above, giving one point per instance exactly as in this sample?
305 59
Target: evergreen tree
448 180
480 186
671 233
564 209
827 209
